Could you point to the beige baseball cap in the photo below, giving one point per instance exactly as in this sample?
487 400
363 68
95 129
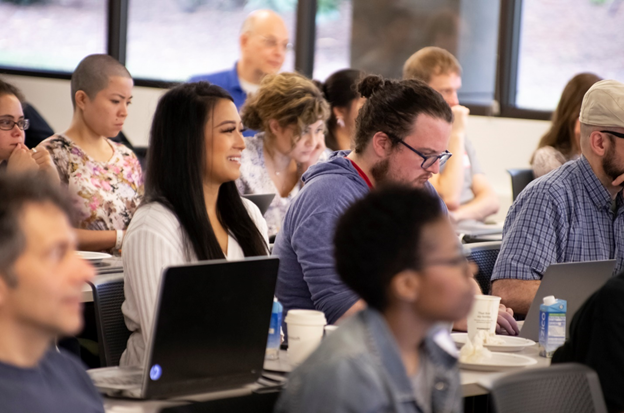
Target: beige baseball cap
603 104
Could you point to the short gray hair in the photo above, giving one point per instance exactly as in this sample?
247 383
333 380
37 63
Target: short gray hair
16 192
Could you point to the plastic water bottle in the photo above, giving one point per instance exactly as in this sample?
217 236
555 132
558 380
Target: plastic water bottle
275 336
552 333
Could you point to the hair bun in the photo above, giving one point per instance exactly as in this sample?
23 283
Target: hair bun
369 85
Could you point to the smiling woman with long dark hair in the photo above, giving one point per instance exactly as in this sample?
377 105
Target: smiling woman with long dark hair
192 208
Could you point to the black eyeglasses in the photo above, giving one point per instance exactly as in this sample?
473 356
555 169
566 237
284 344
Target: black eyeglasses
429 160
616 134
8 124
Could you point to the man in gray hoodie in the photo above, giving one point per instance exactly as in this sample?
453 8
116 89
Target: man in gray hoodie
402 132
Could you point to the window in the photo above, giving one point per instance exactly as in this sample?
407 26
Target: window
560 38
386 34
333 37
173 40
54 35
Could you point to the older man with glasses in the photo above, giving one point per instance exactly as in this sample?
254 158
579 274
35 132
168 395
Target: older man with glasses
263 44
575 213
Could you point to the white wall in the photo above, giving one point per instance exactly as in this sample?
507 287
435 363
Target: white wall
501 143
52 98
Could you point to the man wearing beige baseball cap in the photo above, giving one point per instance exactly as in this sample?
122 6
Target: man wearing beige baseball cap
576 212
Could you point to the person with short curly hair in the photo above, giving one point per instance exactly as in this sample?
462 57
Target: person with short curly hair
290 112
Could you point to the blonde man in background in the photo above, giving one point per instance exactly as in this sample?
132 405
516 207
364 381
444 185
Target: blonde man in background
461 183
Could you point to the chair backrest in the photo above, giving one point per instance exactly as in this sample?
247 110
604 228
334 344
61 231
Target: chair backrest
108 296
484 254
520 178
561 388
141 154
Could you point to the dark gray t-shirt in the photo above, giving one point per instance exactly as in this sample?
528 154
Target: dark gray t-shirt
59 384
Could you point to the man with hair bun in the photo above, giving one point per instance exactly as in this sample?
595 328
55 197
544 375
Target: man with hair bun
402 132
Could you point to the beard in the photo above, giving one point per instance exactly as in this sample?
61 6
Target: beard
380 171
611 167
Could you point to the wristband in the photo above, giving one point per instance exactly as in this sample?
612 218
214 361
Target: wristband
119 239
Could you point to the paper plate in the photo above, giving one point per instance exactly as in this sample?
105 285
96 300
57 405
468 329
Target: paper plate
500 362
511 343
93 257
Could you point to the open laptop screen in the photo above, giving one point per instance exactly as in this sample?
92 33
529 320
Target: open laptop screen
212 326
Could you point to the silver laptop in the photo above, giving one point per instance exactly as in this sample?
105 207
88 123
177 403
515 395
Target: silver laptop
574 282
209 331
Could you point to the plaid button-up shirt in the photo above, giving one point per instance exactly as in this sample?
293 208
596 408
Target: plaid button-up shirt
565 216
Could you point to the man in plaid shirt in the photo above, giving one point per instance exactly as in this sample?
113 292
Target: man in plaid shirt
573 214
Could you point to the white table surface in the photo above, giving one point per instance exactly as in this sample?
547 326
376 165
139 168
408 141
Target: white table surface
153 406
469 381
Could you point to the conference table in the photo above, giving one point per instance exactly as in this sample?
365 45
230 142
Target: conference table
473 383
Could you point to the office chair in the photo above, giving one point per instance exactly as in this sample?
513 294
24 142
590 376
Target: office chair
562 388
520 178
484 254
108 296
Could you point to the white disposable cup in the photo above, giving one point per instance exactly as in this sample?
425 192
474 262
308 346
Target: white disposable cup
305 332
483 314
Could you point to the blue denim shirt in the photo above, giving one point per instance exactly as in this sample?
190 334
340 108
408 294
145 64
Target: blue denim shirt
358 368
228 80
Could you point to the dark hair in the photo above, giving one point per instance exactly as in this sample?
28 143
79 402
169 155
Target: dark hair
176 163
380 236
93 73
392 107
339 90
16 192
9 89
561 133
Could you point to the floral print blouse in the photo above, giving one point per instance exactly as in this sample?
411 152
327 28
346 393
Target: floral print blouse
104 194
255 179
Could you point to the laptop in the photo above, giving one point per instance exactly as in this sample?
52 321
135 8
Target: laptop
574 282
262 201
209 331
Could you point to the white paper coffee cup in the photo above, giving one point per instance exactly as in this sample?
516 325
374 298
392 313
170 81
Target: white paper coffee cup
483 314
305 332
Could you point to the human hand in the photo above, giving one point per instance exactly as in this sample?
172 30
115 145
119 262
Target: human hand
44 160
506 324
460 120
21 160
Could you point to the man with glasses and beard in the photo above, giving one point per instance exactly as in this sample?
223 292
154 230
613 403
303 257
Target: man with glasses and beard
402 133
573 214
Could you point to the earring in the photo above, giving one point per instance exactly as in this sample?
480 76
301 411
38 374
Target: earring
340 122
